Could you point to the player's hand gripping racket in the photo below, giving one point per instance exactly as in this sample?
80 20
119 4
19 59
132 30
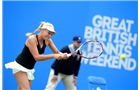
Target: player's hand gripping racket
89 50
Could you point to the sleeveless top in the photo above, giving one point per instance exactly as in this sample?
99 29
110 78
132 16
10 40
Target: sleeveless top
26 59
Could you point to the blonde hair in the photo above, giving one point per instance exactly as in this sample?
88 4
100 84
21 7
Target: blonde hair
37 30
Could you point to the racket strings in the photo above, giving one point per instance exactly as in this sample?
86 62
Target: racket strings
91 49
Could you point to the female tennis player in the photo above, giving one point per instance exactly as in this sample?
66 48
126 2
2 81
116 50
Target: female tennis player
23 66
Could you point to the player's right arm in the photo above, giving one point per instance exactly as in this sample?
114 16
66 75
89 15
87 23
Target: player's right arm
32 45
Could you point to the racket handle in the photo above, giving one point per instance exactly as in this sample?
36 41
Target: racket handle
68 55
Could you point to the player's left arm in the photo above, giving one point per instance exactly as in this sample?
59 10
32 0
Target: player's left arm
55 50
52 46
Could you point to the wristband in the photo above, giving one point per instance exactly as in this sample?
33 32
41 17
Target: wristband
54 55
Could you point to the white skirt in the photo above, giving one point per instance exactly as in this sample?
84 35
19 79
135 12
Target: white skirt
17 67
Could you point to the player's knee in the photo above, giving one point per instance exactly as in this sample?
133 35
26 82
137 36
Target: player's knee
24 87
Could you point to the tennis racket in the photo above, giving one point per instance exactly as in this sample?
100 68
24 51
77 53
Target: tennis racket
90 49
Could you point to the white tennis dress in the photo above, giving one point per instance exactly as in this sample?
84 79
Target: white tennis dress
17 67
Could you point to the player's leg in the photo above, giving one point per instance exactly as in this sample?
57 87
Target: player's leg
51 85
30 82
68 82
22 79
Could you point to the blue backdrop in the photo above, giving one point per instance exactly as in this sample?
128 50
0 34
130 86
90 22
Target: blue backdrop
114 23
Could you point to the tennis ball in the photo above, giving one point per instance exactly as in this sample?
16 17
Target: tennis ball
123 56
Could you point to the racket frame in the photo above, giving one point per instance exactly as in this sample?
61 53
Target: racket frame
75 53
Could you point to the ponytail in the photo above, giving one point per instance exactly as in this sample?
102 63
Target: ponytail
37 30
